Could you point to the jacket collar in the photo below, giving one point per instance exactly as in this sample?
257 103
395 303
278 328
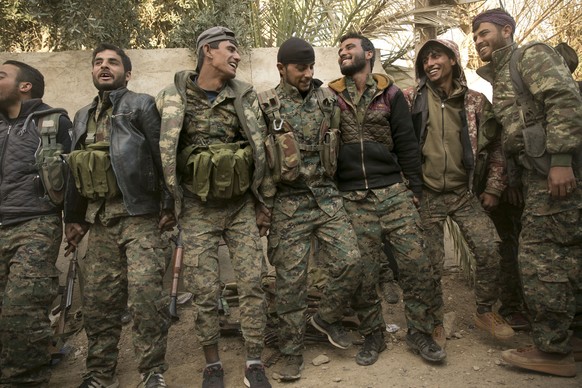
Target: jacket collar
382 82
499 59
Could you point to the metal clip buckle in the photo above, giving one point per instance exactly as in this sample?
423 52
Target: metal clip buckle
277 127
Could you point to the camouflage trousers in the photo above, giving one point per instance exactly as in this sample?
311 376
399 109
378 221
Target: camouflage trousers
390 213
29 282
288 252
204 225
479 232
125 266
507 220
550 260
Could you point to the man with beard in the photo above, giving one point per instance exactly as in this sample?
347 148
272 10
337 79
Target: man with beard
379 147
214 164
459 142
299 111
30 229
539 106
116 187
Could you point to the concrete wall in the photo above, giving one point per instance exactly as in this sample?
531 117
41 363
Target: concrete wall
68 74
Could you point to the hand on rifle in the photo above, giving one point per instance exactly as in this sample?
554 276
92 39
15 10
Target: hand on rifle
74 233
167 220
263 215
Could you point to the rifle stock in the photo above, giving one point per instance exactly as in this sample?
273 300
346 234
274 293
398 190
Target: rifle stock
177 260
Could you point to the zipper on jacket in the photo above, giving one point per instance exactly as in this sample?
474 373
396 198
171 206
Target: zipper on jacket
443 144
2 160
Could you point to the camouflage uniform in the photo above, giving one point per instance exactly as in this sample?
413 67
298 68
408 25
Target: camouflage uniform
311 205
234 115
376 199
30 237
126 256
448 189
550 243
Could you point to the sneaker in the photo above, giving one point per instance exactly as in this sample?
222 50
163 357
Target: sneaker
424 345
370 351
290 370
213 377
517 321
335 332
534 359
576 343
153 380
99 382
493 324
390 292
255 377
439 336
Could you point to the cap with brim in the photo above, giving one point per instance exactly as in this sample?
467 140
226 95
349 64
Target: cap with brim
215 34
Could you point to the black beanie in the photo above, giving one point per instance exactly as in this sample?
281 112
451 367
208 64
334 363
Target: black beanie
297 51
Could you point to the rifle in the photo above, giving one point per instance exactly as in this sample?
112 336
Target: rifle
66 296
177 259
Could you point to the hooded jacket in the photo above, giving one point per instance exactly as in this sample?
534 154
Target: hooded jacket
21 190
482 157
171 103
375 151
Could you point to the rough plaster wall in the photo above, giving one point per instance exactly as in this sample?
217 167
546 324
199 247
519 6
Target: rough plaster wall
68 73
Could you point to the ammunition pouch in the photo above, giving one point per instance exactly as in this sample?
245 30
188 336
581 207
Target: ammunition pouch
217 171
93 172
534 156
52 172
329 151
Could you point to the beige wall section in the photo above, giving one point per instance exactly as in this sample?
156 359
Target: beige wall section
68 73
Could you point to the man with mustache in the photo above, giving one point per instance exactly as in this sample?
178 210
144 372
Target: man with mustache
462 173
30 227
541 140
214 164
379 147
116 189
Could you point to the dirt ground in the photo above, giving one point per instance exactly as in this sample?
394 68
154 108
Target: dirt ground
473 357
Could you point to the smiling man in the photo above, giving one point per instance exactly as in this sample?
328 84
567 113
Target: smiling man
214 164
457 132
378 148
116 188
305 117
542 139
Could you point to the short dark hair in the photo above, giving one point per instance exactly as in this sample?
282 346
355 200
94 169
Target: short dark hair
213 45
108 46
366 43
434 47
27 73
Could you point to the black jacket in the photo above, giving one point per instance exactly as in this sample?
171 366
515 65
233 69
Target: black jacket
134 152
21 190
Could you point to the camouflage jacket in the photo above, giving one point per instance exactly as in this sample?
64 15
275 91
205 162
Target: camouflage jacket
554 91
305 116
480 136
171 103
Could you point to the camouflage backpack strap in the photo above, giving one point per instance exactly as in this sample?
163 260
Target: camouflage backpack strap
534 134
271 106
325 99
49 155
528 111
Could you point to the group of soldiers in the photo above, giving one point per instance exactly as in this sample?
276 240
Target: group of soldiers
360 165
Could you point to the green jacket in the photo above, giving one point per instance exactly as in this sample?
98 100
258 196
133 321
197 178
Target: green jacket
171 103
556 95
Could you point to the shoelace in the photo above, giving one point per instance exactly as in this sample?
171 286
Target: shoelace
156 378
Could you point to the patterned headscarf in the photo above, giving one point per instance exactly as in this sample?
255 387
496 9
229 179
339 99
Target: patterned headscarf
496 16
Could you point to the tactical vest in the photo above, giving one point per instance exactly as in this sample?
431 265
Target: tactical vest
218 171
532 120
281 146
49 155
